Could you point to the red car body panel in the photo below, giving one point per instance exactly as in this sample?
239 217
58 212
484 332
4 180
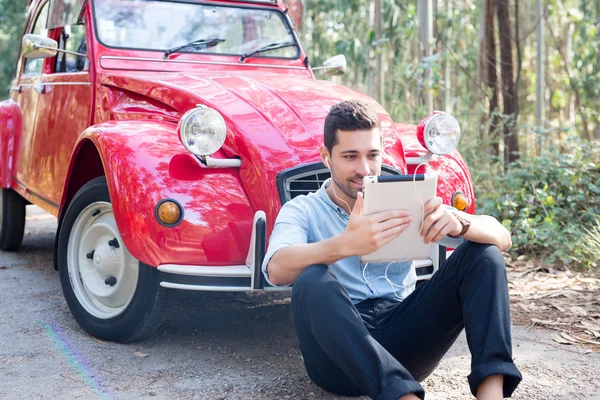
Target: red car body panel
273 124
11 126
123 124
140 172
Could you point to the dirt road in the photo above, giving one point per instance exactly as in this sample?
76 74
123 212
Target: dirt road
212 346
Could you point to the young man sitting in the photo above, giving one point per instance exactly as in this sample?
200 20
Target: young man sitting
360 335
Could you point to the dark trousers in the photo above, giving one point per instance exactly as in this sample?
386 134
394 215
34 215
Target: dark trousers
382 348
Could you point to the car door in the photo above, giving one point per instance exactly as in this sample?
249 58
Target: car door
64 110
27 96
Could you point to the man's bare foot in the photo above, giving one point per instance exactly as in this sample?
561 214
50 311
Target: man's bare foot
491 388
409 396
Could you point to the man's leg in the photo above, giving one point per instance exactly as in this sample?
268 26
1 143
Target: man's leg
339 353
470 290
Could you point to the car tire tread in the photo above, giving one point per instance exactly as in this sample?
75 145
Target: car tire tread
12 226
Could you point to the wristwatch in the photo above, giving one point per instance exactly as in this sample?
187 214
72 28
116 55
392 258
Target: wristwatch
466 224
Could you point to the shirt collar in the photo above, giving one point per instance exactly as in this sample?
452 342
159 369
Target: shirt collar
324 196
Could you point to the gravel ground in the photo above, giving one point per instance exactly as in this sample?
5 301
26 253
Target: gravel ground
212 346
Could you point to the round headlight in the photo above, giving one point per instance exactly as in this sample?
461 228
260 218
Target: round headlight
202 131
442 134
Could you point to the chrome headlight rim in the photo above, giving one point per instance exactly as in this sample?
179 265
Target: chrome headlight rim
200 112
431 124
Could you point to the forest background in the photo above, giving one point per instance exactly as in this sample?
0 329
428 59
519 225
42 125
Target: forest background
540 177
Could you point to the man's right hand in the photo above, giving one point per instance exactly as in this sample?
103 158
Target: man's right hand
368 233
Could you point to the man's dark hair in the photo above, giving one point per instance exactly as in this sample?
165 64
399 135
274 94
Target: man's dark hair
351 115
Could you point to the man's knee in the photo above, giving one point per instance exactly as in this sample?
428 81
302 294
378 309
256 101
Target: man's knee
316 281
481 255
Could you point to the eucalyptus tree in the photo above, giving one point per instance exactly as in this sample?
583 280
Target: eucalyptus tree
12 18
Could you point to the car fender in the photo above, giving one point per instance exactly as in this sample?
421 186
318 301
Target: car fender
453 176
144 162
10 129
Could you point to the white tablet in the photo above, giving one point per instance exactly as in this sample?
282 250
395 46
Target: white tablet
406 192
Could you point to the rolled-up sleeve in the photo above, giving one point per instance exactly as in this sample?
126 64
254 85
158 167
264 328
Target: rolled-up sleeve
291 227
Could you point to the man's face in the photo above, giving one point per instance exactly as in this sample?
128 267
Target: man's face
357 154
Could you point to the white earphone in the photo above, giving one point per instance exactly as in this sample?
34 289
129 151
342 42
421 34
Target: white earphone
326 162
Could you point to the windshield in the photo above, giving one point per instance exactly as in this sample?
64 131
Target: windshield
162 25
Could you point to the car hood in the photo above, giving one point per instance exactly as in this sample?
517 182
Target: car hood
275 121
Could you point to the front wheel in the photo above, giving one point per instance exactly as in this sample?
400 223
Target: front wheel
110 294
12 220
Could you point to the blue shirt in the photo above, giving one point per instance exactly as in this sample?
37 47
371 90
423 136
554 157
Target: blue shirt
314 218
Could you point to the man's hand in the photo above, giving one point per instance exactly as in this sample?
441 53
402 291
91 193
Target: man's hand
438 222
368 233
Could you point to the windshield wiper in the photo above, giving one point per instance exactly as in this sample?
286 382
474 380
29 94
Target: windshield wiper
269 47
194 44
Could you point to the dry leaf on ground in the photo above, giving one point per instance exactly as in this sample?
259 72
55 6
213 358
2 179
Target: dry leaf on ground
558 299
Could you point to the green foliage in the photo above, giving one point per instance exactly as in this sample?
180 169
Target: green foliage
12 18
590 243
550 202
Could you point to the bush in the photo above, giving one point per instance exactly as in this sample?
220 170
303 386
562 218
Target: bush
550 203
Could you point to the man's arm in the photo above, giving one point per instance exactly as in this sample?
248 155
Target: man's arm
363 235
441 222
289 262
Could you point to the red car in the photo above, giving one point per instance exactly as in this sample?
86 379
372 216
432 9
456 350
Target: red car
165 136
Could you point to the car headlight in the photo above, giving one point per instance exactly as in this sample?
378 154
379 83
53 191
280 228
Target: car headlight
202 131
440 134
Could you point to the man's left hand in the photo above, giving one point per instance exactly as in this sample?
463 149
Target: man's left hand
438 221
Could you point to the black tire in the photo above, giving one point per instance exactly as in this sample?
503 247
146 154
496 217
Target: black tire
12 220
143 315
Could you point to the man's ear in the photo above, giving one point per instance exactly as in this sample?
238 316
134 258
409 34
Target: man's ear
325 156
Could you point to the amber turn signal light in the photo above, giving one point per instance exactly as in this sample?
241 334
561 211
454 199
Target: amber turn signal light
459 201
169 212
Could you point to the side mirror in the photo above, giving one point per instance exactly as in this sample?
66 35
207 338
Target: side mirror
36 46
333 66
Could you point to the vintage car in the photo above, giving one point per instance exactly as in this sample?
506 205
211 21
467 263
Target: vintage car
165 137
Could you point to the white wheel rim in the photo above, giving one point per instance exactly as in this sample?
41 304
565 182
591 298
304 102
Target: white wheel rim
103 276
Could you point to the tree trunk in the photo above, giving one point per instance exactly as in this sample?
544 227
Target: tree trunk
447 67
379 93
296 8
425 17
587 135
597 129
511 139
490 76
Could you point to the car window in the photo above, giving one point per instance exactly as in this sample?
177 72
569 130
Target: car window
65 12
161 25
72 38
34 66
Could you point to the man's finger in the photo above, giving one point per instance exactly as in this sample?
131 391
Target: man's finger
432 204
391 234
390 214
435 231
392 223
358 204
430 220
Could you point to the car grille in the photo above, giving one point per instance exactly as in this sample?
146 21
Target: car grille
307 179
305 183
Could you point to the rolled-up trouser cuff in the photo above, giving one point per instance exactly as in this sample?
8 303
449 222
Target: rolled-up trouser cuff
512 376
399 388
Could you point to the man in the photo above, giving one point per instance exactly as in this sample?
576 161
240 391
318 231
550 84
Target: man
362 335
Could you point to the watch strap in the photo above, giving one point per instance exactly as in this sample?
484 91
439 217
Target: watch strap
466 224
